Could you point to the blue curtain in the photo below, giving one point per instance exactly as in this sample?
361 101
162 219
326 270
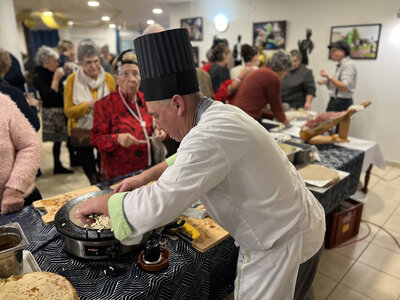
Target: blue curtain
117 40
44 37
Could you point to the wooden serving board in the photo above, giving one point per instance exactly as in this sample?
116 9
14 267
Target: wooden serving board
210 233
53 204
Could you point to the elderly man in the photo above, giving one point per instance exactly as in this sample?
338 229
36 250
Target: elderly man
342 84
230 162
262 87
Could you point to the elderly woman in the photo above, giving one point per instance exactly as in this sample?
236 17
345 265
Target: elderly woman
262 87
20 155
83 88
47 79
122 127
298 86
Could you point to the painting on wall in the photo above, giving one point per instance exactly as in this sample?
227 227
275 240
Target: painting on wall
362 39
269 35
194 27
195 51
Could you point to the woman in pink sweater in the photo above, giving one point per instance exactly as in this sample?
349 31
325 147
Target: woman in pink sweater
20 155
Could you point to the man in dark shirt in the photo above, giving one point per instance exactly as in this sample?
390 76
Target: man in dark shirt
298 86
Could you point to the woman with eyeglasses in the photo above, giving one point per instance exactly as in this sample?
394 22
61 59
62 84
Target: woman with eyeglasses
82 90
122 128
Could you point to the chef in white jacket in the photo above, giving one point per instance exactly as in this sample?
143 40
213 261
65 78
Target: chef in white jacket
233 165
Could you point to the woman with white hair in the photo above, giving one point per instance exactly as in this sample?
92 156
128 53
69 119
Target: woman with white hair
47 79
82 90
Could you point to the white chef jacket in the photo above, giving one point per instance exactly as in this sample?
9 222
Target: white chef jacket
245 181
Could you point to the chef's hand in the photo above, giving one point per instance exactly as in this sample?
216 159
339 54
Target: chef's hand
321 82
96 205
130 184
127 140
13 201
160 135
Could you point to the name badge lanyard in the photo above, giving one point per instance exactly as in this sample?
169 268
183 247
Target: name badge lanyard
142 123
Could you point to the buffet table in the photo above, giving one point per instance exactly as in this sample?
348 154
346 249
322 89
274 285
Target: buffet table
190 274
372 151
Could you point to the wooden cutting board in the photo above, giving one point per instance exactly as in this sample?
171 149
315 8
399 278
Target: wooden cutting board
210 233
53 204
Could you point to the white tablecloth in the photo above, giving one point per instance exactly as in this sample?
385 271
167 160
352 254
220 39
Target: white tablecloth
373 154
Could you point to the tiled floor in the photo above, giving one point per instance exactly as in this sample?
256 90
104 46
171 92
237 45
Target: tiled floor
368 269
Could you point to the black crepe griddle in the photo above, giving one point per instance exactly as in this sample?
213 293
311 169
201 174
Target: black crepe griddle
86 242
65 226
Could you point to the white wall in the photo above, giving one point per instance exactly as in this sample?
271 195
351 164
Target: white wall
377 79
101 36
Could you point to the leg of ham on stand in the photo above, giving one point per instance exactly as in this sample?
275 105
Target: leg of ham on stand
312 130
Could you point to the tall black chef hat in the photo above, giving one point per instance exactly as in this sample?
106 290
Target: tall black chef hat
166 64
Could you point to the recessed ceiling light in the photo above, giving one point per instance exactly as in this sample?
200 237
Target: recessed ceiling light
93 3
150 22
157 11
47 13
105 18
70 23
112 26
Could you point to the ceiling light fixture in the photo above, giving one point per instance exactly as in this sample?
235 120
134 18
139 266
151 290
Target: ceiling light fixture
157 11
47 13
70 23
221 23
150 22
112 26
93 3
105 18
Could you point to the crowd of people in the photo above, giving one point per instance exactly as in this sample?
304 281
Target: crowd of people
113 123
283 83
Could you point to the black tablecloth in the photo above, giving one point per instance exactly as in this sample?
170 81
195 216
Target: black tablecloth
344 159
190 274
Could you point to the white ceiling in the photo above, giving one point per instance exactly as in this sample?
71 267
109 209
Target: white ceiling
129 14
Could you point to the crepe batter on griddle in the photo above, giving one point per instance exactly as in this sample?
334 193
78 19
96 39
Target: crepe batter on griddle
79 223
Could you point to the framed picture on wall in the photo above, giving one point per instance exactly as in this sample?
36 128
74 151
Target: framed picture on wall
269 35
195 28
195 51
362 39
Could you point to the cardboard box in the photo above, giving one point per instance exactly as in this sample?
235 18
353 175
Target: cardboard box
343 223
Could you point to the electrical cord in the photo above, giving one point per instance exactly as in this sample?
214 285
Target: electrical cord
369 232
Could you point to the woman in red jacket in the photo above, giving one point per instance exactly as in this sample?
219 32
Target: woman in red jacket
122 128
